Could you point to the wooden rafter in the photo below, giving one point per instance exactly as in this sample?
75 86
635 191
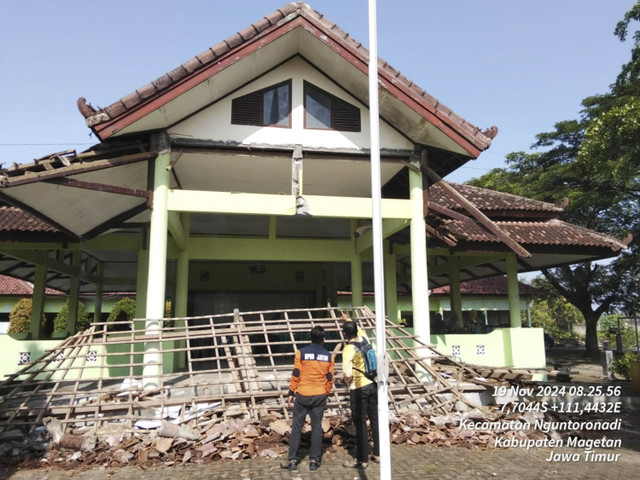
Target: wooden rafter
237 364
476 213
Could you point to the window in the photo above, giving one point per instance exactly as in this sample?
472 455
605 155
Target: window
326 111
268 107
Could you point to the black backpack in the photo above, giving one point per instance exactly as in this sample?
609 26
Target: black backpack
369 357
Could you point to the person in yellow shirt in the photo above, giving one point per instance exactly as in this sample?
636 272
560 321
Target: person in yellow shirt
363 396
311 382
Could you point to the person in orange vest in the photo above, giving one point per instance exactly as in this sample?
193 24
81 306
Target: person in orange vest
311 382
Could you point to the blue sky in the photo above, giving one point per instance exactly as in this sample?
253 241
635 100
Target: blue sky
520 65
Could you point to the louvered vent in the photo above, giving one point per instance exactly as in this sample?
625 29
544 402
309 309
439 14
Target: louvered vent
344 116
247 110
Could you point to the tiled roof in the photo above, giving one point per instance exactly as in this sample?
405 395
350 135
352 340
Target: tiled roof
17 220
481 140
482 286
486 286
10 286
550 232
489 200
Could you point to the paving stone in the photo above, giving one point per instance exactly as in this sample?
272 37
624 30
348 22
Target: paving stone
407 463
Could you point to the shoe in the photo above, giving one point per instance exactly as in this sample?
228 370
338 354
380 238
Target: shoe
355 464
375 458
289 465
314 465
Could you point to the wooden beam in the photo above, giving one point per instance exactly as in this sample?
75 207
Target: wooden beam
477 214
99 187
75 169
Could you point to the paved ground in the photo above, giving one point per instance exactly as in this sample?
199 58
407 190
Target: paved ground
410 462
407 462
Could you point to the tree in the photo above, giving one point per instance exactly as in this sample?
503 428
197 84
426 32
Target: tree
82 319
552 311
593 161
123 311
20 317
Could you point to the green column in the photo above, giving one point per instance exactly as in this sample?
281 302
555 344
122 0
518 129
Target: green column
356 280
97 310
157 278
454 288
182 273
390 283
356 270
514 292
141 283
419 281
333 284
74 293
37 306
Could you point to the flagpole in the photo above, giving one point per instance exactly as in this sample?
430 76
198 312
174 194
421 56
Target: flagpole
378 258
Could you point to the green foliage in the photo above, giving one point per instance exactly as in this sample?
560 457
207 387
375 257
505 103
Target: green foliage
622 366
82 318
20 316
609 324
124 310
594 162
552 312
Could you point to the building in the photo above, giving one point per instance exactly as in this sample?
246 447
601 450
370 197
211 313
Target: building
240 179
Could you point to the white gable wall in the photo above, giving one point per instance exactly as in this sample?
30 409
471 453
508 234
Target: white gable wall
214 122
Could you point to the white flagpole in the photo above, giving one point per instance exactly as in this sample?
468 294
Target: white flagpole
378 259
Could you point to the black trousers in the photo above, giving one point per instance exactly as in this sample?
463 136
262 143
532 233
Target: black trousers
314 407
364 404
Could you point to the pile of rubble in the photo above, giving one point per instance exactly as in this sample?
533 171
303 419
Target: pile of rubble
214 439
229 399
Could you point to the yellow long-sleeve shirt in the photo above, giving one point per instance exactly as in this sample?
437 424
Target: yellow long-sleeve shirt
353 364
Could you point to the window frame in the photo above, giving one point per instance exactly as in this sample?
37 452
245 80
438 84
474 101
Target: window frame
334 100
261 93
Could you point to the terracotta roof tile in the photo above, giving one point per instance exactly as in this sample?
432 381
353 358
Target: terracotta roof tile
486 286
489 200
233 41
261 24
248 33
470 132
549 232
192 65
16 220
10 286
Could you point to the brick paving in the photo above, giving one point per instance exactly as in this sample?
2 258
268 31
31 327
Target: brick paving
407 462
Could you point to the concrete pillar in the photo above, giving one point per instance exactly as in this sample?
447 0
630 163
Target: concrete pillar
390 283
514 291
356 280
74 293
37 303
97 309
356 270
454 289
141 282
157 278
182 274
419 280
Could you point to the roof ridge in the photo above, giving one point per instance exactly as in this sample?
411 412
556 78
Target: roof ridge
94 117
